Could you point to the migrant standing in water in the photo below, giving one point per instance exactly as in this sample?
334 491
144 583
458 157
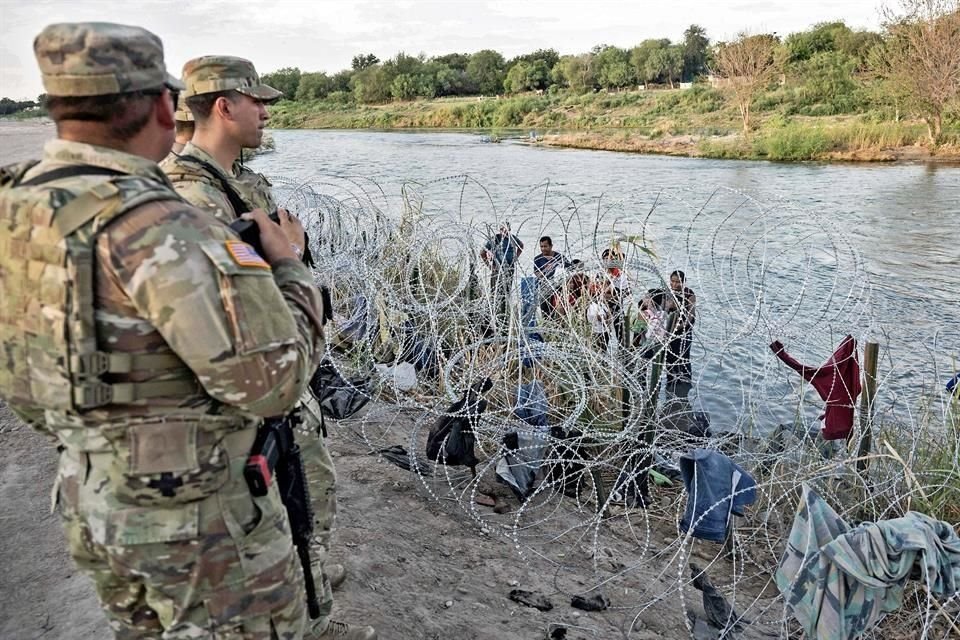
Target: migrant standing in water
682 300
545 268
617 290
500 253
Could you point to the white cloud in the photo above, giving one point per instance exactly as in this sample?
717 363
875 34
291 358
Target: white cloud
323 35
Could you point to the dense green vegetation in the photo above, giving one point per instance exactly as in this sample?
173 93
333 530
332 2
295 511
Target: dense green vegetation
824 92
817 93
10 107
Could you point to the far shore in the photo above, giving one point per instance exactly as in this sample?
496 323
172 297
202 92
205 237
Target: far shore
624 140
693 146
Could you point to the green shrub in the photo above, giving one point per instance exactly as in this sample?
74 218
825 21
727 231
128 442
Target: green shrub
791 142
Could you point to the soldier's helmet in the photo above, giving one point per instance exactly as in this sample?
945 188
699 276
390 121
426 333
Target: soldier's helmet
101 58
212 74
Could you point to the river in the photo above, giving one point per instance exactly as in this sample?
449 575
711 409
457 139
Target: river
804 253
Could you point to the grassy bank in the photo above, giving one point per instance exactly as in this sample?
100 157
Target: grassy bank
692 122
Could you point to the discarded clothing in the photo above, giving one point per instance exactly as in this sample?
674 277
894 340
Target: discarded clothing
356 326
557 632
839 582
421 353
720 614
338 398
702 630
397 455
519 465
532 404
711 479
451 439
596 602
837 382
531 599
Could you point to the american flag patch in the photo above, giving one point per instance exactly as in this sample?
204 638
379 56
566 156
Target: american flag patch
245 255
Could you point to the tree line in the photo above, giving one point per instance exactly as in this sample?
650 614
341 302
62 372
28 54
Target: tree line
911 66
9 107
406 77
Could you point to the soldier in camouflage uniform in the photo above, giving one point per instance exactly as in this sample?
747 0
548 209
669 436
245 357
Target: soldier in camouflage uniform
148 341
222 129
184 129
227 100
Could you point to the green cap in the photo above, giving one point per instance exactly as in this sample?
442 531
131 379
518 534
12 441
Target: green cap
211 74
100 58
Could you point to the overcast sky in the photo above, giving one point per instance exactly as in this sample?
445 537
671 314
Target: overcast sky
323 35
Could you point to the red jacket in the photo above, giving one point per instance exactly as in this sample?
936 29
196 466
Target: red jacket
837 382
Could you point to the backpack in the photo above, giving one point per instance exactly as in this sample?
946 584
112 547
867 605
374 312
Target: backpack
451 440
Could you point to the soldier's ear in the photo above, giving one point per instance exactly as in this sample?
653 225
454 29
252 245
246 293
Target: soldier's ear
165 110
223 107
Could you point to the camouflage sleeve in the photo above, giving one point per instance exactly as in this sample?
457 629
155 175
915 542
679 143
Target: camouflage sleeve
206 197
33 418
251 334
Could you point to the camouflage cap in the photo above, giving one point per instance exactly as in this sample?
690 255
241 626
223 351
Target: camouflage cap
183 114
210 74
100 58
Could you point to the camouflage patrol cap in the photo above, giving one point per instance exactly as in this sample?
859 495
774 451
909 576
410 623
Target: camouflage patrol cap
100 58
210 74
183 114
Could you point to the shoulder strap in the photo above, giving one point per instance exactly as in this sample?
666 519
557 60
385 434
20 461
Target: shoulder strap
12 174
237 202
68 172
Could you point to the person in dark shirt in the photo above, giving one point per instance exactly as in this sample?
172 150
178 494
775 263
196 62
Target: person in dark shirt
682 300
545 267
500 253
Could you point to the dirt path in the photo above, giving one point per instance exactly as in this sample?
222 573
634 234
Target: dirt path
419 568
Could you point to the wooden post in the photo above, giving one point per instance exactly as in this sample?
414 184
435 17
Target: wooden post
871 353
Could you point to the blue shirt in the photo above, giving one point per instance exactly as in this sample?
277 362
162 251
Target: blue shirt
716 487
504 249
547 265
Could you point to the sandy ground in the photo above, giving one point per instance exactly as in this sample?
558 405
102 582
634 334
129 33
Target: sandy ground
419 566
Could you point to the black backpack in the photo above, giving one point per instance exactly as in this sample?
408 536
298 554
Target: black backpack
451 440
338 398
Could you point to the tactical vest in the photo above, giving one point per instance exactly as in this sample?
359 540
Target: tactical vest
192 169
51 358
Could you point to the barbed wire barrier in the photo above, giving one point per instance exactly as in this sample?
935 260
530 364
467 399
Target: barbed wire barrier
579 446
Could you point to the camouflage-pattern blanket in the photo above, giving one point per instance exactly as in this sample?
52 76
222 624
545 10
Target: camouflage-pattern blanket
840 581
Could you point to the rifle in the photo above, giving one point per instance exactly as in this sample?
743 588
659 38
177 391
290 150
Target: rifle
276 453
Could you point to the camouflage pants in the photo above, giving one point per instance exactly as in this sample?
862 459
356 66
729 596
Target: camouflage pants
223 567
322 480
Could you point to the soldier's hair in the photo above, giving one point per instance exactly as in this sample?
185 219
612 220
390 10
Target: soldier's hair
125 114
202 105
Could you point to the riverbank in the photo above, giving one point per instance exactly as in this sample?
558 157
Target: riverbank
695 122
810 145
